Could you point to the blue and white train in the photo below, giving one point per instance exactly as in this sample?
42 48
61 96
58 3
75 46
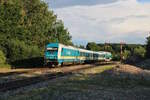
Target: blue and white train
58 54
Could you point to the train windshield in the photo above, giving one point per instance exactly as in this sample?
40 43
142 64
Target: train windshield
52 50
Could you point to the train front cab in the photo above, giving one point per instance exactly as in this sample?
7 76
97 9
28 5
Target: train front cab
51 54
108 56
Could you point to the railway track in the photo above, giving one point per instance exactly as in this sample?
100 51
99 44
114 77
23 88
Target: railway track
22 72
15 84
25 82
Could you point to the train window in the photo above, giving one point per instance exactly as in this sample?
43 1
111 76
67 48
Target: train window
87 54
62 52
62 49
90 55
84 54
81 53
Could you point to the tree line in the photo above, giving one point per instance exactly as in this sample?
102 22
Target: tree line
131 52
26 26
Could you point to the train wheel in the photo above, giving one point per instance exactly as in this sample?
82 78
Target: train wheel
50 65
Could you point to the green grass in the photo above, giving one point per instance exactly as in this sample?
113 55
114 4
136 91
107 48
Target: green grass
91 84
5 66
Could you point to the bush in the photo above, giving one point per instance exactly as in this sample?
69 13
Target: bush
19 50
148 47
126 54
116 57
140 52
136 56
2 58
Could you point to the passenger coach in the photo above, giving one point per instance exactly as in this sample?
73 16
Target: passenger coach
58 54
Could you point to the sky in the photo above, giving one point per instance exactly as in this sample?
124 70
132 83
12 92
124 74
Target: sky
100 21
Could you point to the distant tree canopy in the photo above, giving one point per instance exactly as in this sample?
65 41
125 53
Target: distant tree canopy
140 52
26 26
148 47
136 50
92 46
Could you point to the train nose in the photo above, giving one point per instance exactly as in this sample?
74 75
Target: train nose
51 57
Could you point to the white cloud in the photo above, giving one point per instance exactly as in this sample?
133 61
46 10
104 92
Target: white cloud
125 20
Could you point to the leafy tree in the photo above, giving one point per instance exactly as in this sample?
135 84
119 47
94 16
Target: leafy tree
82 46
60 33
92 46
116 56
26 26
126 54
148 48
134 50
140 52
2 58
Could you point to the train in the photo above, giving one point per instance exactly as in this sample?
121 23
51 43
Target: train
58 54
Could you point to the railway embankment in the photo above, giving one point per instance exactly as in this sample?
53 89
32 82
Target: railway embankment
144 64
119 82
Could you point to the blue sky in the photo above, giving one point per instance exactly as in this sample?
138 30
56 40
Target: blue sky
104 20
68 3
144 1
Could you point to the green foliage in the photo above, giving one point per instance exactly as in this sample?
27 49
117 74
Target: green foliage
116 56
2 58
18 50
129 50
140 52
126 54
148 47
26 26
81 46
92 46
60 33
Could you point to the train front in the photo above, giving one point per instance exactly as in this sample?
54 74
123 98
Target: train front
51 54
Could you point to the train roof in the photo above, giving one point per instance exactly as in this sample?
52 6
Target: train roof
103 52
81 50
75 48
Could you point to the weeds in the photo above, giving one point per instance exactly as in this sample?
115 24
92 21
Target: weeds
101 83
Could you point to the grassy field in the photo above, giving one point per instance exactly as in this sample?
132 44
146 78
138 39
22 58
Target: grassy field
6 66
99 83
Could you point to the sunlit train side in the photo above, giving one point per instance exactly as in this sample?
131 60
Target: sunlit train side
58 54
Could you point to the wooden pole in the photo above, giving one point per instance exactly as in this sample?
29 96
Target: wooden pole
121 51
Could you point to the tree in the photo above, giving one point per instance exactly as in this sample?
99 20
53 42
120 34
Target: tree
2 58
81 46
26 26
92 46
60 33
126 54
148 47
139 52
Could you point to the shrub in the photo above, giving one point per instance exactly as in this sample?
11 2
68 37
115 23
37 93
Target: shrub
116 57
126 54
2 58
140 52
148 48
19 50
